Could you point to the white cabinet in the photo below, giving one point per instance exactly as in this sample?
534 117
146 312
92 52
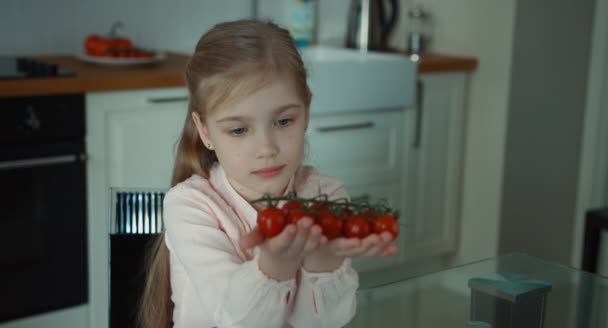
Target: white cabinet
434 165
131 138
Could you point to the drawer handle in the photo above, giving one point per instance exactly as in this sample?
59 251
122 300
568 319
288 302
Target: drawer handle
355 126
41 161
167 99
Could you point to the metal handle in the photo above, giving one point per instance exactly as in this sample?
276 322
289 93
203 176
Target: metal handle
419 112
168 99
354 126
41 161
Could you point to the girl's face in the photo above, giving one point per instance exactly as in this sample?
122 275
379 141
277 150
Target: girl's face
259 139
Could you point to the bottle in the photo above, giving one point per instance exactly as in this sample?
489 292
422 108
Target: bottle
301 21
419 34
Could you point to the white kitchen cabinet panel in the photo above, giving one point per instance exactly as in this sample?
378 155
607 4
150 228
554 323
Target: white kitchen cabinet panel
358 148
435 165
130 143
141 145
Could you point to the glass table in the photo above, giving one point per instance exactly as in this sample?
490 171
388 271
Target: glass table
561 296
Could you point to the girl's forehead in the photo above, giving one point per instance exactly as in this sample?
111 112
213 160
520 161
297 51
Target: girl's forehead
263 98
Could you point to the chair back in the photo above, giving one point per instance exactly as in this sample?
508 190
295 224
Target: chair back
136 221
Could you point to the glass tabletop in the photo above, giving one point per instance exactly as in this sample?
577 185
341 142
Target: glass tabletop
514 290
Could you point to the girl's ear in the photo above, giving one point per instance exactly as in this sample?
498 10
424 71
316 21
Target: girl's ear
202 130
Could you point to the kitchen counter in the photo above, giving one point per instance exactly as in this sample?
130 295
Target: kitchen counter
168 73
93 77
438 63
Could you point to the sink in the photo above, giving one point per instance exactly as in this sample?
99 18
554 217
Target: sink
347 80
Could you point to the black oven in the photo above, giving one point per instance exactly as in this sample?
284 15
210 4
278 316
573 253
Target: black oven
43 248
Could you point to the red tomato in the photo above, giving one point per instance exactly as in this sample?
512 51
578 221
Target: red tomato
292 205
97 45
346 214
369 214
331 225
357 227
296 215
319 207
386 222
271 221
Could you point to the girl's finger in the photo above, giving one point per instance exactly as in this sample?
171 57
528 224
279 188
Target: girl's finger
251 239
314 239
343 244
374 250
384 240
390 250
298 243
282 241
366 244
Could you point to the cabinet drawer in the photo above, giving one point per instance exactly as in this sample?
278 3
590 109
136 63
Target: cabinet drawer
357 148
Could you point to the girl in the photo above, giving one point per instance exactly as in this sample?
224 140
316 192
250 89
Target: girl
243 138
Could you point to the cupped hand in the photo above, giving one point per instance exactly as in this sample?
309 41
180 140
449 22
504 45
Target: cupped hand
330 256
281 256
293 243
372 245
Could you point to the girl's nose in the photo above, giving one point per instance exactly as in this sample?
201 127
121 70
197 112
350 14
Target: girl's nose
267 146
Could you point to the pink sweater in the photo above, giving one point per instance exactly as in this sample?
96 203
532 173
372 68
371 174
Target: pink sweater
216 284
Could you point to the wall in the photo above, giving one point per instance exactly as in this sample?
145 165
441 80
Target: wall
546 111
593 169
37 26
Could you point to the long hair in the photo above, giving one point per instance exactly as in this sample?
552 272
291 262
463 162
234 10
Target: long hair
230 61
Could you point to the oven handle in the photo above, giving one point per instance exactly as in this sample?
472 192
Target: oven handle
42 161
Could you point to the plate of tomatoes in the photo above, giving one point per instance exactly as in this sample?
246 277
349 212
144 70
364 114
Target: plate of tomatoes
337 218
114 50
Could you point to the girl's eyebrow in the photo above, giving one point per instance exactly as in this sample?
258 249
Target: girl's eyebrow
277 110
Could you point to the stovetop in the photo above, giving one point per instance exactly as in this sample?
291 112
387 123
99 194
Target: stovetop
26 68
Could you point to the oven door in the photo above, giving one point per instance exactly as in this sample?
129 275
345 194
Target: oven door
43 248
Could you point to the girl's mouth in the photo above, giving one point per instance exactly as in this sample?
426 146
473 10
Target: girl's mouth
269 172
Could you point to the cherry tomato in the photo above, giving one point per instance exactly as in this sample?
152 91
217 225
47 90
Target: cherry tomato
331 225
271 221
369 214
357 227
292 205
386 222
298 214
346 213
319 207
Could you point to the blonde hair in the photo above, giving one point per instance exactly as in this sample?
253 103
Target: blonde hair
230 61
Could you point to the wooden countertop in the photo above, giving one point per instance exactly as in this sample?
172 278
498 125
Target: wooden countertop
168 73
92 77
435 63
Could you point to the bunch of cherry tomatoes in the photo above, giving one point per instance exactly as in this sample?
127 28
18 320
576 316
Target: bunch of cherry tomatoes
101 46
113 45
337 218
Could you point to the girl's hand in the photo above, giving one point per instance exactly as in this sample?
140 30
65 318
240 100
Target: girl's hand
331 255
280 256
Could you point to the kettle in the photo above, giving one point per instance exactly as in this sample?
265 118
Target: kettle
370 23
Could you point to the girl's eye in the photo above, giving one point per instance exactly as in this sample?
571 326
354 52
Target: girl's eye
284 121
237 132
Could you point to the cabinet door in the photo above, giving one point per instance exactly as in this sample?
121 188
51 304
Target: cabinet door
130 142
141 145
435 164
357 148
